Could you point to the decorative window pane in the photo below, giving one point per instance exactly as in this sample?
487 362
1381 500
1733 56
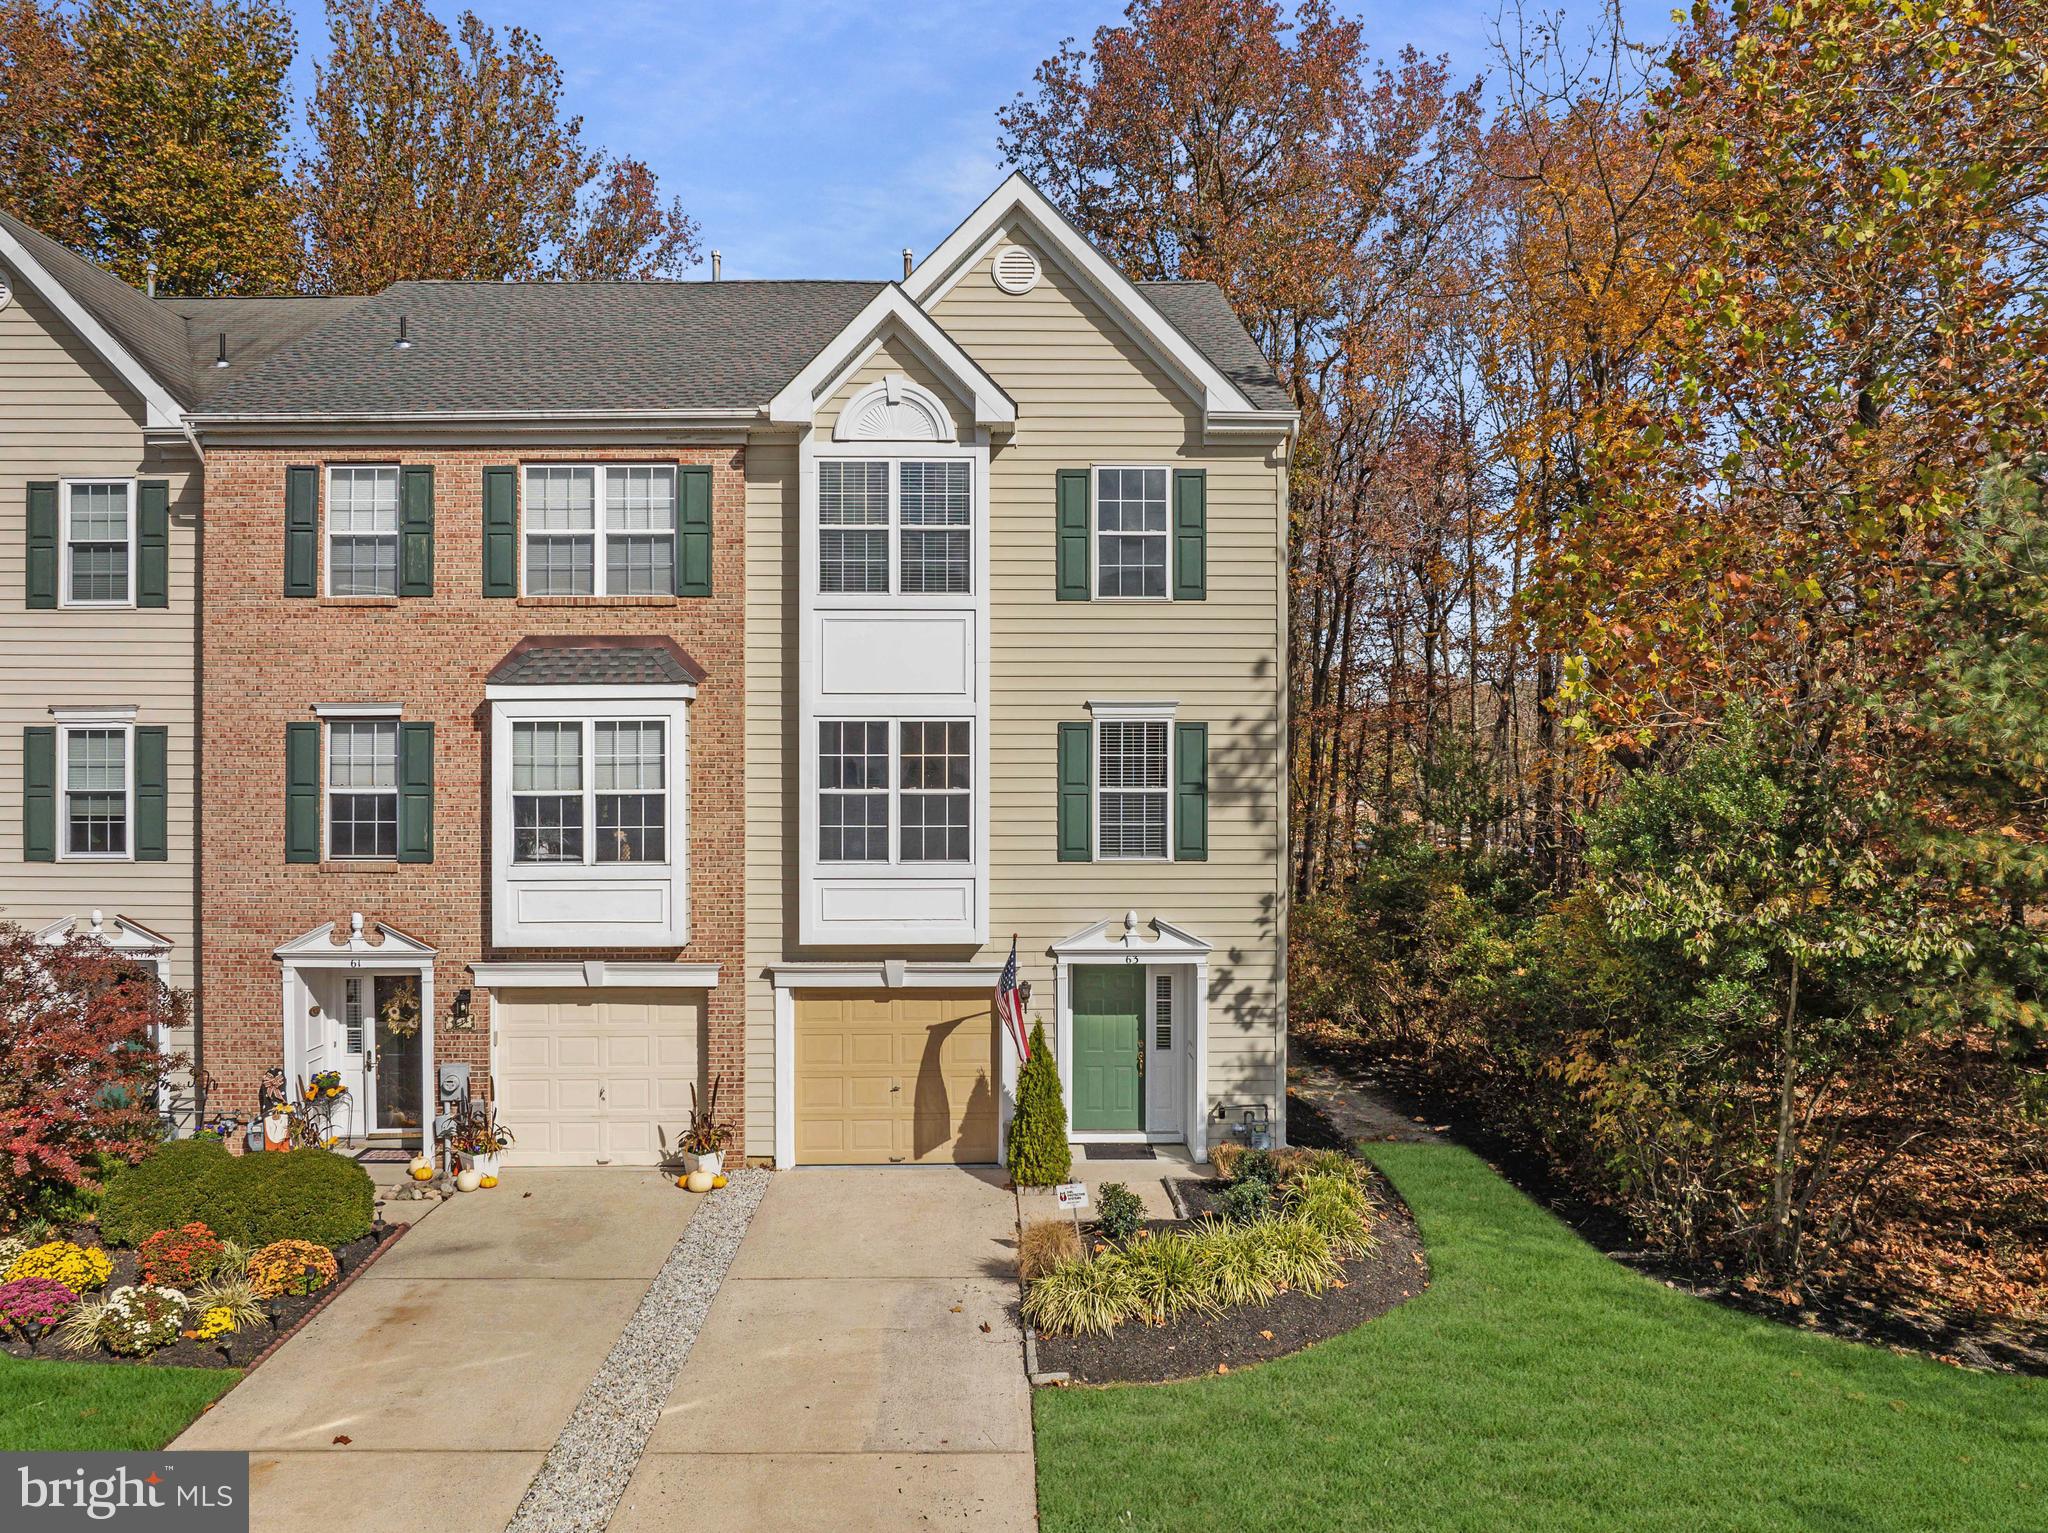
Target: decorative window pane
362 789
853 791
632 807
561 531
352 1014
1131 800
937 783
1162 1011
362 531
640 528
853 535
1130 526
96 792
97 533
936 505
547 792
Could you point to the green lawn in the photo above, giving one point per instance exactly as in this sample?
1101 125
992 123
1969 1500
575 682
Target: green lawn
59 1406
1537 1385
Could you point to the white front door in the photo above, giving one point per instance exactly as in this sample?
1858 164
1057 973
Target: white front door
340 1038
1164 1088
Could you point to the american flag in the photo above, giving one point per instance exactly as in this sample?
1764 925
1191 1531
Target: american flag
1010 1002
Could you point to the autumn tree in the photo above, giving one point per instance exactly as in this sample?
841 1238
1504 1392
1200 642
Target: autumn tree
40 102
439 155
180 137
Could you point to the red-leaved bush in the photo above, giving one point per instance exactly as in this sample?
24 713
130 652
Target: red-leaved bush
79 1065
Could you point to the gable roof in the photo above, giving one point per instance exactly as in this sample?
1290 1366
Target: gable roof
1201 312
578 660
548 348
891 312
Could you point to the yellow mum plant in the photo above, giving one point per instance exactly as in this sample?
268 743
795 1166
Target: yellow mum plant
79 1268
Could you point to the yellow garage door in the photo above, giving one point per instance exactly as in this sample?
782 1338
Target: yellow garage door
585 1082
895 1079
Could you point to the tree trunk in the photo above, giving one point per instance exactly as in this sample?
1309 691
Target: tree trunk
1784 1237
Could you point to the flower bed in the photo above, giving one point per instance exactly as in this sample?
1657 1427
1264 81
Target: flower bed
1286 1251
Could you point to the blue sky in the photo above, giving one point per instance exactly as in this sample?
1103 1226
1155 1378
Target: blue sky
817 140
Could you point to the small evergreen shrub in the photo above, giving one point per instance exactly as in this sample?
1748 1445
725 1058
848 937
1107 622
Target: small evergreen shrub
1120 1213
304 1194
1039 1155
1244 1202
1258 1166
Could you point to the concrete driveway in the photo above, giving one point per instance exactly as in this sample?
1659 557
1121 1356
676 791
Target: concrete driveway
451 1366
861 1367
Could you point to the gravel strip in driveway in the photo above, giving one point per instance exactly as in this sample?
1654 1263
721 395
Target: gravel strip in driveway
585 1473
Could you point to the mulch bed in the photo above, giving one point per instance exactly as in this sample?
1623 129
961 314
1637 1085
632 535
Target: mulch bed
250 1345
1393 1272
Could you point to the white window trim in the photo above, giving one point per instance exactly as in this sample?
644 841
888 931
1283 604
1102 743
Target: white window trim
330 715
589 705
1096 535
87 720
896 454
1101 713
327 533
586 773
895 793
599 566
64 540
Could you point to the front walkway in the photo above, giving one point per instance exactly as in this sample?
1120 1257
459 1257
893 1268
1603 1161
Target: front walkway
427 1394
861 1368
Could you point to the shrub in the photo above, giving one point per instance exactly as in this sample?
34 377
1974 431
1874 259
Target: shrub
1167 1274
1083 1298
179 1258
78 1030
39 1302
131 1320
233 1291
1257 1166
304 1194
79 1268
1039 1155
1232 1263
1120 1213
1333 1204
292 1266
1243 1202
1043 1244
1295 1254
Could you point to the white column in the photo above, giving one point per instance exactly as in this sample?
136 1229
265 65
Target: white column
785 1077
1198 1105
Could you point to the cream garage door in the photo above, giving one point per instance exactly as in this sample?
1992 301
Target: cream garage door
903 1078
591 1082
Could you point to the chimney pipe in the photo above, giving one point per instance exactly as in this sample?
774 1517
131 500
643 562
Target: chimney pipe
403 342
220 357
908 261
717 266
151 270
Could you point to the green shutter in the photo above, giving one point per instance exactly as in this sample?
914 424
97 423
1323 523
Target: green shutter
39 793
1070 543
693 526
1190 534
153 543
42 544
1077 793
416 793
501 532
1191 793
301 531
302 793
152 793
416 531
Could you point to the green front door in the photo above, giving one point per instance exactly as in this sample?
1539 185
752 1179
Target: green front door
1109 1079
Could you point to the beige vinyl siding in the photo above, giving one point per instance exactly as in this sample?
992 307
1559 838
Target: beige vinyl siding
65 414
1086 395
894 356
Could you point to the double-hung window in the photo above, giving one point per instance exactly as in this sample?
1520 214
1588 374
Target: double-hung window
362 788
1131 792
903 526
1131 532
99 543
921 783
604 529
362 531
590 791
99 799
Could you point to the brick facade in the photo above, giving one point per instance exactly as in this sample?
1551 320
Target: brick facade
266 660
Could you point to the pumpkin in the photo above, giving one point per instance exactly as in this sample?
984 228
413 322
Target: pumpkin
422 1168
489 1181
682 1181
468 1179
698 1181
718 1181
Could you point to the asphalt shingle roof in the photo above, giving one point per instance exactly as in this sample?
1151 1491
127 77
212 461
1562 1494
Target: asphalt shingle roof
1200 312
641 660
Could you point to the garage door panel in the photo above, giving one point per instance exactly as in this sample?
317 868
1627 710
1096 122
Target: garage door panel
585 1080
896 1078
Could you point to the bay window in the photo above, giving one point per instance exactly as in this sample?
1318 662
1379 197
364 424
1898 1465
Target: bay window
589 791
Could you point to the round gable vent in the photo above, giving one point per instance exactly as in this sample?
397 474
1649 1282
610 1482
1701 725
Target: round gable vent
6 292
1016 269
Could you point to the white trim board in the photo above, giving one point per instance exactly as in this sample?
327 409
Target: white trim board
161 411
596 974
892 308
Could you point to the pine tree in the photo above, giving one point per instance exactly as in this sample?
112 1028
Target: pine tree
1039 1156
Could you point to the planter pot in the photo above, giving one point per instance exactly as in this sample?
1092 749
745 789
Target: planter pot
712 1164
483 1165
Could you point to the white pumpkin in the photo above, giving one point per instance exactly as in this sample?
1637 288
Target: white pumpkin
698 1181
468 1179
